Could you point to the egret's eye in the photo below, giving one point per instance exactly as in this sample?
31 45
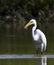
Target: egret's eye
31 21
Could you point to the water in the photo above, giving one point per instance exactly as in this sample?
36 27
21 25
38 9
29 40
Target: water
26 59
16 48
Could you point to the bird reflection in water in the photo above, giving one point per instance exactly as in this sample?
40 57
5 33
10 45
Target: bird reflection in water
41 61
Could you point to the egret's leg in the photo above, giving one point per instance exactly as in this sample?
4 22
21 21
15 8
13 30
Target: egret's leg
42 47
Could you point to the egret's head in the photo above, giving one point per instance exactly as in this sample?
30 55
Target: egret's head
32 21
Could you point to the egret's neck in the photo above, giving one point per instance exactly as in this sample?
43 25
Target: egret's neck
33 30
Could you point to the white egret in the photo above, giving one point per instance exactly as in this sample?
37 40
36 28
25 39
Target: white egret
38 36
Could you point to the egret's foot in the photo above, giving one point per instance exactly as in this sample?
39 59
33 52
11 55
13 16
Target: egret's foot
39 53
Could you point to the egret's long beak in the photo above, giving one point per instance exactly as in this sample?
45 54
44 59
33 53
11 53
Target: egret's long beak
28 24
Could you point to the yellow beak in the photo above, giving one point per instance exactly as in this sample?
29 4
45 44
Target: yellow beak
28 24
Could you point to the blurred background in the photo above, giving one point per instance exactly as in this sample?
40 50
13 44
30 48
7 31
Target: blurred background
14 14
14 39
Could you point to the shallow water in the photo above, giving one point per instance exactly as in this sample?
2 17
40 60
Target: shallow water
21 43
26 59
25 62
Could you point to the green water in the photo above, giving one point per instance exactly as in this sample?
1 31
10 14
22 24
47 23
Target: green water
24 62
12 43
21 43
18 42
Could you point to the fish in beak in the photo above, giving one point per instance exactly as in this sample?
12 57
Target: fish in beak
28 24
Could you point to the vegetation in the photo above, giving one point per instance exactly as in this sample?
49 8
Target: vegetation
17 12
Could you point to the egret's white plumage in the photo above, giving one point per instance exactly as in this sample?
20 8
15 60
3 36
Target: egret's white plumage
38 35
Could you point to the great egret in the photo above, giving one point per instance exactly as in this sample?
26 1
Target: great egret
38 36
